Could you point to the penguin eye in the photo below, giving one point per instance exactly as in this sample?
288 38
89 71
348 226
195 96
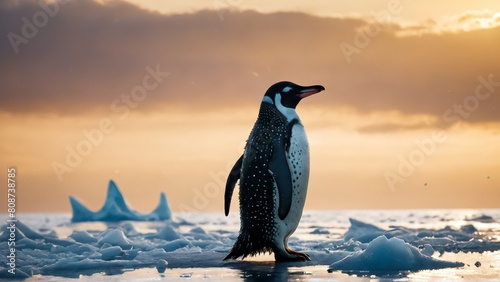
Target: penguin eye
287 89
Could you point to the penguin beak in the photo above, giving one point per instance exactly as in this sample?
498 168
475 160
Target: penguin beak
310 90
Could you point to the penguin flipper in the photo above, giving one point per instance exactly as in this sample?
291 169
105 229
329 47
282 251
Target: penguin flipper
279 169
289 129
232 178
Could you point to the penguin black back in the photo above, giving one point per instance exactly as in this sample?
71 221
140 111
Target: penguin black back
257 201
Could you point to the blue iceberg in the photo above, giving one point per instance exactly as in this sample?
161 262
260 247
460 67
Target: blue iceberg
116 209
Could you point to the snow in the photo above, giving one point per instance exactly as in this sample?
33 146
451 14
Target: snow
67 248
115 208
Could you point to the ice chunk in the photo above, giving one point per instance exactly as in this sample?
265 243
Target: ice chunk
362 232
387 256
428 250
198 233
115 208
75 265
448 232
161 265
129 229
320 231
111 252
18 273
22 231
114 237
10 231
151 256
174 245
198 230
83 237
27 243
28 232
447 239
483 218
80 249
469 228
166 233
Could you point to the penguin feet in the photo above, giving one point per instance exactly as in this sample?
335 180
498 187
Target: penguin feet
288 255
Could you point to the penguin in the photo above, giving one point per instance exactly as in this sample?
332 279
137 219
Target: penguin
273 173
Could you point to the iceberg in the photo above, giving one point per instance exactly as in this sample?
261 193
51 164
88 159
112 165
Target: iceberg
116 209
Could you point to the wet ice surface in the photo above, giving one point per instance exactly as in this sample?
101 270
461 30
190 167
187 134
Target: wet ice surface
50 247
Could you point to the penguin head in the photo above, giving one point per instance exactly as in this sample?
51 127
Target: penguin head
289 94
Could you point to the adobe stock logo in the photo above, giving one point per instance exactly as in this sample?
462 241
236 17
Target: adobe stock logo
213 189
39 20
221 6
202 197
428 146
365 34
94 137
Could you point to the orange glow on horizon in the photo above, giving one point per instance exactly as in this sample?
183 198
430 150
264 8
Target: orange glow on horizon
151 153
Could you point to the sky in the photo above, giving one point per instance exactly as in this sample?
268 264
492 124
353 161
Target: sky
161 96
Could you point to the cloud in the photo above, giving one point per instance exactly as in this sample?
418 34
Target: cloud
478 19
90 53
391 127
463 22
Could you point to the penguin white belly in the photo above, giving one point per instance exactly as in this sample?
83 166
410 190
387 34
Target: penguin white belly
298 162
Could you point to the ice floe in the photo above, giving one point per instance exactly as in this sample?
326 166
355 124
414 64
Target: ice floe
114 246
388 256
180 244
